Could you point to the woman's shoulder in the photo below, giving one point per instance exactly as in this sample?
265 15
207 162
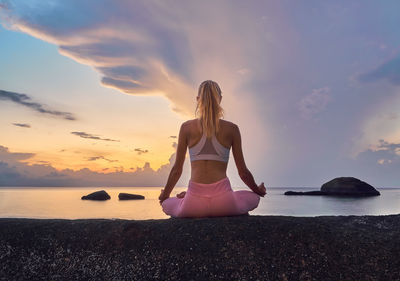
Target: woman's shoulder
188 123
227 123
227 127
222 121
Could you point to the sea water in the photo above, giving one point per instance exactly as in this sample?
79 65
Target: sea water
66 203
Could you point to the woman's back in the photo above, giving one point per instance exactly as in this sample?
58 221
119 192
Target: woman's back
209 171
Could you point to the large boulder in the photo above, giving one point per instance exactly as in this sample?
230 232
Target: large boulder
344 186
128 196
97 195
349 186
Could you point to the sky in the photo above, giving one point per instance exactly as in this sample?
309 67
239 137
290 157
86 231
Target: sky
94 92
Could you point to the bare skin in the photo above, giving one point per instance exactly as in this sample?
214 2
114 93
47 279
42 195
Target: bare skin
209 171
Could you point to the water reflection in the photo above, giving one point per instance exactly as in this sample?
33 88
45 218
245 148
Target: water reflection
275 203
66 203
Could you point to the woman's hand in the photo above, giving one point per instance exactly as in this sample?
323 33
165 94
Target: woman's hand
261 190
163 196
181 195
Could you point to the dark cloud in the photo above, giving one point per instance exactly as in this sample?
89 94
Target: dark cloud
123 72
141 151
391 147
13 172
94 158
90 136
44 162
25 100
128 86
7 156
389 71
22 125
379 166
172 137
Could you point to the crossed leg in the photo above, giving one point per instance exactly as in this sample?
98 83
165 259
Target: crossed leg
227 204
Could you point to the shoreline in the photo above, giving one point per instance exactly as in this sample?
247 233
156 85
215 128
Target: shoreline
222 248
171 218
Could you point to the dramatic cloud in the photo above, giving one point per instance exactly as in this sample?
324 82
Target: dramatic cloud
140 47
152 48
314 102
25 100
22 125
94 158
90 136
141 151
389 71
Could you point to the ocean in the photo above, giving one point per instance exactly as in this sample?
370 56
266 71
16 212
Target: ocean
66 203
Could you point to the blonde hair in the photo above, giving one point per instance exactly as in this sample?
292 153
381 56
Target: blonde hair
208 106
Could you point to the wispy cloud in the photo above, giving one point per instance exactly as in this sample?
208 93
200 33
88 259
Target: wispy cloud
390 71
91 136
141 151
314 102
25 100
43 162
22 125
94 158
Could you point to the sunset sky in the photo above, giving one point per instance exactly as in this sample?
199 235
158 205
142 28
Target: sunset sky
94 92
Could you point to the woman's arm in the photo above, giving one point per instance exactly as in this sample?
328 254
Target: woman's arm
237 152
176 170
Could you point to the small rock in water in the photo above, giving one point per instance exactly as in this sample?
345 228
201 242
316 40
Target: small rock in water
98 195
128 196
314 192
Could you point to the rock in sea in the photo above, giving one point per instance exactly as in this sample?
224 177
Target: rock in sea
98 195
343 186
349 186
314 192
128 196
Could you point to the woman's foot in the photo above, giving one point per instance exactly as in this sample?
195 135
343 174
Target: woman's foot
181 195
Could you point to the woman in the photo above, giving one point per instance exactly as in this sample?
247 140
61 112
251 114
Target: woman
209 139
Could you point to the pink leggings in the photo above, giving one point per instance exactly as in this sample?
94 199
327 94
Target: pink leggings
211 200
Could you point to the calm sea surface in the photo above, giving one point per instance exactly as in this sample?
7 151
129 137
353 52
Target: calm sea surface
65 202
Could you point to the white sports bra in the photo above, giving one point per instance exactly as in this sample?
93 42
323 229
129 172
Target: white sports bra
209 149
